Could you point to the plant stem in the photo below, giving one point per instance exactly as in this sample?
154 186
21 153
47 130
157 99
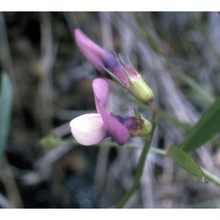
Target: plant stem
141 162
211 177
158 151
137 177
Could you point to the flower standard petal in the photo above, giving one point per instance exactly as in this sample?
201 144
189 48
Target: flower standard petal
100 89
99 57
95 54
88 129
116 129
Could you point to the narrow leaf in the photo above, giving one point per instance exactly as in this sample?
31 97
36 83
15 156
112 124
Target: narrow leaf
207 126
185 161
5 109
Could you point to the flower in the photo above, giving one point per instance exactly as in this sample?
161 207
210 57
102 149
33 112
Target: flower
90 129
104 62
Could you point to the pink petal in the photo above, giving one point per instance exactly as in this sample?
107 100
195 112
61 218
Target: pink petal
116 129
93 52
100 89
119 72
88 129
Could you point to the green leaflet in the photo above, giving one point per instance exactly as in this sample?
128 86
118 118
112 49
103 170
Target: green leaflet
186 162
207 126
5 109
50 141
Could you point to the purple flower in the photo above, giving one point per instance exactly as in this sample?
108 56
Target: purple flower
105 62
101 59
90 129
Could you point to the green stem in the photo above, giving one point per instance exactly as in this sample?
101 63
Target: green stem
211 177
141 162
138 174
158 151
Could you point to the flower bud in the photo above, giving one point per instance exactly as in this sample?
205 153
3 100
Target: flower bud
105 62
95 54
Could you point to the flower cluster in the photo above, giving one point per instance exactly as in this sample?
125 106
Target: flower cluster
90 129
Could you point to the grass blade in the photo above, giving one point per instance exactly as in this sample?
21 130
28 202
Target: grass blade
207 126
5 109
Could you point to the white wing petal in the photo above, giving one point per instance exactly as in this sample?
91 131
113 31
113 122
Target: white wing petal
88 129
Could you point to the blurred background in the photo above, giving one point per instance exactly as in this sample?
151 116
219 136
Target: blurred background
178 55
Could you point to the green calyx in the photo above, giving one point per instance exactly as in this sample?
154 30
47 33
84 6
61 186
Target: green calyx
140 90
143 128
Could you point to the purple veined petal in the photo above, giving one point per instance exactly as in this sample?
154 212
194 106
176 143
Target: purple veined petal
100 89
95 54
88 129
